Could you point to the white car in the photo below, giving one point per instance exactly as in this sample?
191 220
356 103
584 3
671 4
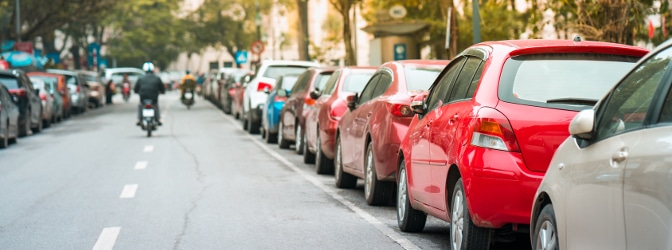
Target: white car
609 185
117 74
255 95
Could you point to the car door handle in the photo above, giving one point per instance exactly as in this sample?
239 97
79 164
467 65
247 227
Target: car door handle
368 115
619 156
453 119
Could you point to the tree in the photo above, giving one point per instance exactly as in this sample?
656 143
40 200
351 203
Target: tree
344 7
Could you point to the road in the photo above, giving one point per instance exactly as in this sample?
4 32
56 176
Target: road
201 182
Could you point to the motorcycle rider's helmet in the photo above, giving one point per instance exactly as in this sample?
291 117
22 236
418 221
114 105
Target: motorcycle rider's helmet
148 67
188 72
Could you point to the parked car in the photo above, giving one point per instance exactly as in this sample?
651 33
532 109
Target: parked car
61 89
330 104
608 186
371 130
30 105
298 104
48 108
117 74
51 85
481 141
276 100
238 96
78 88
9 117
96 88
255 95
230 83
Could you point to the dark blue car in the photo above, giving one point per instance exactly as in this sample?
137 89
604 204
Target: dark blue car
274 103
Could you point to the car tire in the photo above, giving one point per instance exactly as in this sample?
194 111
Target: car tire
282 143
4 142
252 127
244 121
270 137
463 233
376 193
343 179
322 164
39 127
25 129
298 141
546 230
308 157
408 219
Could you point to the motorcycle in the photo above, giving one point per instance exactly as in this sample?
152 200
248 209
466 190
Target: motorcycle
126 91
149 122
188 98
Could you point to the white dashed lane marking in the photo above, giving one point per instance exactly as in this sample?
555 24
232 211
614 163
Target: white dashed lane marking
141 165
148 148
107 238
129 191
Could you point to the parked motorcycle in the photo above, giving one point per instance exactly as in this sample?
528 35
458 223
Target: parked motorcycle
149 122
188 98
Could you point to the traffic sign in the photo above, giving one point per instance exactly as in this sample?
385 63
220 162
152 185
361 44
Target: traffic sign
241 57
400 51
257 47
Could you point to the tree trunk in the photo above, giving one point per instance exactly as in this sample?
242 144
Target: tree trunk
302 40
347 36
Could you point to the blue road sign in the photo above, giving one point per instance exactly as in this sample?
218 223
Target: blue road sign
400 51
241 57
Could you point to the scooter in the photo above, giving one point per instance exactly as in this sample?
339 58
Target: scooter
188 99
149 122
126 91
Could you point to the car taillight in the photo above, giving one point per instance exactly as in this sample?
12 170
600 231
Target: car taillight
18 92
492 130
148 106
309 101
337 111
278 98
78 89
263 86
400 110
43 97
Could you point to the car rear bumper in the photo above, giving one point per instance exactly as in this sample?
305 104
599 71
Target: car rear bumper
328 137
499 188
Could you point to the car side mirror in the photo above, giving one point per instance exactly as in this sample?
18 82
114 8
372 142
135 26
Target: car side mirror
582 125
315 94
37 91
352 100
15 99
282 93
418 105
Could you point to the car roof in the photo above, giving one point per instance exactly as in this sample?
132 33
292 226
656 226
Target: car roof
62 72
290 63
10 72
538 46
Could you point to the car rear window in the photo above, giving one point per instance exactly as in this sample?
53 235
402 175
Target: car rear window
288 82
281 70
356 82
563 81
90 78
9 82
421 78
322 79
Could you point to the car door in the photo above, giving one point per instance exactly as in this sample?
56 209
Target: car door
33 98
420 172
352 126
595 176
454 114
289 115
647 190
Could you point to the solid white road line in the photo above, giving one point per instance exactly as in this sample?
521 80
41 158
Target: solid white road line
141 165
107 238
148 148
129 191
390 233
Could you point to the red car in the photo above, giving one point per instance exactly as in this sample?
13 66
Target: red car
478 149
238 93
371 130
330 104
62 89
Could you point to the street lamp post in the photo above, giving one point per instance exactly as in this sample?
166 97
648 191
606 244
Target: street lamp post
18 21
257 21
476 21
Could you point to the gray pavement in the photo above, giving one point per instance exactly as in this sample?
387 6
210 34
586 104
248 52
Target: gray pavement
200 182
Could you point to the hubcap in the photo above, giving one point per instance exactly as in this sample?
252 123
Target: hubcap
547 237
299 138
457 220
337 163
401 194
368 187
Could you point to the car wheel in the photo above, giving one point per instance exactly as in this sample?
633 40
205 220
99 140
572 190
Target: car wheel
39 126
263 132
408 219
545 234
343 179
245 124
298 142
4 142
376 192
322 164
463 233
25 129
308 157
270 137
282 143
252 127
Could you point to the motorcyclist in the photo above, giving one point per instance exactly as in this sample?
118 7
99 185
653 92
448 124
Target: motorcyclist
149 87
188 82
125 85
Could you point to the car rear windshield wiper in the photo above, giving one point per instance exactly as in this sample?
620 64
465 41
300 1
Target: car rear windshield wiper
570 100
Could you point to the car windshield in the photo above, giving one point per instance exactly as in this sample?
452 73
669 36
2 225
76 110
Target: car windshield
421 78
565 81
90 78
289 81
9 82
51 81
281 70
37 83
356 82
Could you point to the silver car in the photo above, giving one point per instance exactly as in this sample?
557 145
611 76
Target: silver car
79 89
609 185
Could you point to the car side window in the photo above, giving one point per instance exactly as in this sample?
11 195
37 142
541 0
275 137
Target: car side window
303 79
330 86
441 88
370 88
474 81
666 111
628 104
382 85
463 81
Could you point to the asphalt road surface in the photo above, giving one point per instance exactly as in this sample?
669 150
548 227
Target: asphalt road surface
200 182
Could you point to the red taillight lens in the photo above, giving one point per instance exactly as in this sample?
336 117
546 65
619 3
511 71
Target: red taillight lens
337 110
148 106
43 97
400 110
263 86
492 129
309 101
79 89
278 98
18 92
